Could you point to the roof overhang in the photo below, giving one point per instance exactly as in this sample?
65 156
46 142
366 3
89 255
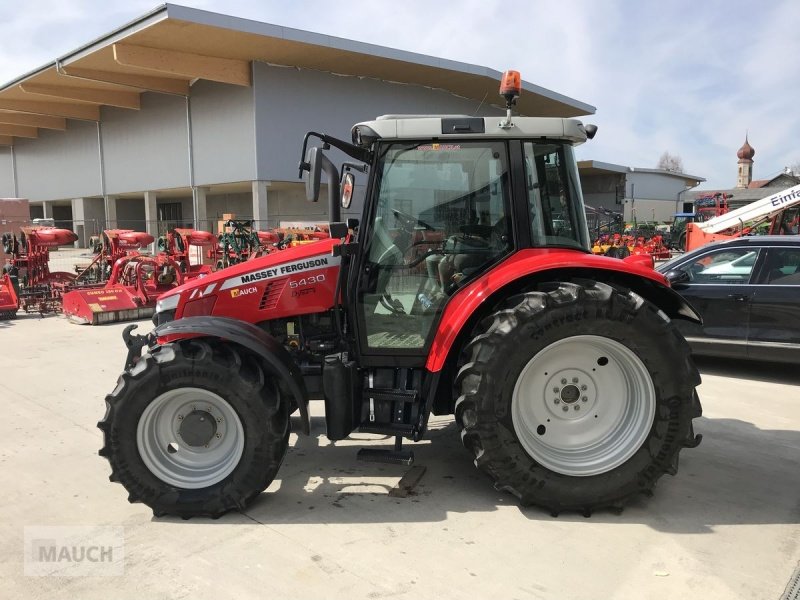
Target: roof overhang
690 180
595 167
172 46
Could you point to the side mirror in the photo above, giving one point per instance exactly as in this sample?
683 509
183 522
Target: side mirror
677 276
314 173
315 162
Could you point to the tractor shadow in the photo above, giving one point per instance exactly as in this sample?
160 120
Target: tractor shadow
324 482
739 475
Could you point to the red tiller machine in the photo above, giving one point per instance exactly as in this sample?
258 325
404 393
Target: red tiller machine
38 289
130 293
133 282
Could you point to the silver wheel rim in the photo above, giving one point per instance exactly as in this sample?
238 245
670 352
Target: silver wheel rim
583 405
179 460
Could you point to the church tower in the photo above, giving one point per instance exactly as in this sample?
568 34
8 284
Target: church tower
745 155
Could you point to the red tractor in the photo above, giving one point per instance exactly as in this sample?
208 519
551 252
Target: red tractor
467 288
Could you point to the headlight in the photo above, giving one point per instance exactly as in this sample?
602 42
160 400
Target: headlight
168 303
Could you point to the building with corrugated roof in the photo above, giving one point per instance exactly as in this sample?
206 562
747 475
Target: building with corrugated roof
183 115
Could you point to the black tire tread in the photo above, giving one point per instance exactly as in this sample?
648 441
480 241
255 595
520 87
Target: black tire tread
480 418
147 378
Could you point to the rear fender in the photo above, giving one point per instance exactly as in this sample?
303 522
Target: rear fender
477 299
274 357
464 312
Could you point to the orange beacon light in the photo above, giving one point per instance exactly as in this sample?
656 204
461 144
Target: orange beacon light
510 86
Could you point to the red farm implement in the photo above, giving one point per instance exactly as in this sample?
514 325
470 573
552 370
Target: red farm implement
123 284
9 302
177 244
39 289
131 292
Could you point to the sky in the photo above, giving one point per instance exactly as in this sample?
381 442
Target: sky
688 77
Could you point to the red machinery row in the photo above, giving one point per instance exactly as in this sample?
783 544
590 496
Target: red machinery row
121 283
619 245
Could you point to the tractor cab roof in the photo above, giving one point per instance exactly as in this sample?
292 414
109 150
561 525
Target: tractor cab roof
440 127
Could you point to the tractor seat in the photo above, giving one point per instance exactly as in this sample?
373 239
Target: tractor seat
470 250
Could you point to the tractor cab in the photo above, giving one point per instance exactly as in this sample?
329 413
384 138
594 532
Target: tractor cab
448 198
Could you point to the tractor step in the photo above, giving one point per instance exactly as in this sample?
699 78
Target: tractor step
390 395
392 457
396 456
386 429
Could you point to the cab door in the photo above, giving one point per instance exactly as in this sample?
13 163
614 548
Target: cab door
438 218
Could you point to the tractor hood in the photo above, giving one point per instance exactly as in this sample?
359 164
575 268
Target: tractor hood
283 283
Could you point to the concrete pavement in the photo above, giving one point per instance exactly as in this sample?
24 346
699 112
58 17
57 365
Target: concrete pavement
727 526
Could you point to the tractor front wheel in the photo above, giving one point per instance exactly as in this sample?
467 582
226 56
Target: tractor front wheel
195 429
577 396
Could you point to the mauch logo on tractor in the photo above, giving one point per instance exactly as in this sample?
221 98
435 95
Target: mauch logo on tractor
243 292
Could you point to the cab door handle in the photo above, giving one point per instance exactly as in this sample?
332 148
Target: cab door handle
739 297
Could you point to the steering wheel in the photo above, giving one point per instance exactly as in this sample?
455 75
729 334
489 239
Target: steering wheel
409 221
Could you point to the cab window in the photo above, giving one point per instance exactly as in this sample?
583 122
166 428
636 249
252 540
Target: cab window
441 220
556 213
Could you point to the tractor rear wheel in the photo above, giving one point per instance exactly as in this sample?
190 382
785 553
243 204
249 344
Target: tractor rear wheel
195 429
577 396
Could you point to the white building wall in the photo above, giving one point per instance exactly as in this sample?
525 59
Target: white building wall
223 133
59 164
146 149
291 102
6 173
